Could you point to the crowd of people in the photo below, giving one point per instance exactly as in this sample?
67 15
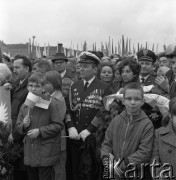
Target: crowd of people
76 137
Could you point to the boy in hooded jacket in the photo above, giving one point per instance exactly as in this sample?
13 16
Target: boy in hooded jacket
129 138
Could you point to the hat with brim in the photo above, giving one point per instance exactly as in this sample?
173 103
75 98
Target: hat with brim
146 55
59 56
87 57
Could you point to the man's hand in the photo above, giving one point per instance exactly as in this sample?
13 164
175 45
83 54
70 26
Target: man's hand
10 138
73 133
7 86
83 134
26 121
163 83
33 133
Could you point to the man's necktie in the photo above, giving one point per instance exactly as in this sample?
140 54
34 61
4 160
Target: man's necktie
86 85
142 80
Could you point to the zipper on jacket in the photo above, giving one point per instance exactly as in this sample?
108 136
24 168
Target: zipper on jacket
131 117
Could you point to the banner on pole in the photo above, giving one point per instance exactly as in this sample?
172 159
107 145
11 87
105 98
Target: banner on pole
5 105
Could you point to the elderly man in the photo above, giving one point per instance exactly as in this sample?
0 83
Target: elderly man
81 119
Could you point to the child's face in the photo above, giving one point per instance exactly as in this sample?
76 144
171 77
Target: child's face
36 88
49 87
133 101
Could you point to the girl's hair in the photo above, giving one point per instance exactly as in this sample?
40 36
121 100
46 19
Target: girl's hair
103 65
133 65
172 106
55 79
38 78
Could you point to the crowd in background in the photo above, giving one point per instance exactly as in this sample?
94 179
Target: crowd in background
65 141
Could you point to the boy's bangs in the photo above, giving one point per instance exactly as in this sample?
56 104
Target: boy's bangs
37 78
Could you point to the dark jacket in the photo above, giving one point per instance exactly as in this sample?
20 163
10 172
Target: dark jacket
164 149
149 81
43 150
18 96
85 104
130 138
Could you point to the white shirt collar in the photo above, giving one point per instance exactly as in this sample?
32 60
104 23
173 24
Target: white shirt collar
143 77
63 73
90 81
22 81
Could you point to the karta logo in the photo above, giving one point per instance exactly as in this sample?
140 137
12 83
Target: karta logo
112 169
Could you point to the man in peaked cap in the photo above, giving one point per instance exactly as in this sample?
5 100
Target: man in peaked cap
147 59
85 102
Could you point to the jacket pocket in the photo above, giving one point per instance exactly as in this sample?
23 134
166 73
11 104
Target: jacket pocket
47 147
46 141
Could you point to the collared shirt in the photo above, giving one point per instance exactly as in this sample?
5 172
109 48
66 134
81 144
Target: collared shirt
143 78
22 81
63 73
90 81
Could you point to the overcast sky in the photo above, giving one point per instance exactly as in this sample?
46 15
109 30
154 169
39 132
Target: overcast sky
75 21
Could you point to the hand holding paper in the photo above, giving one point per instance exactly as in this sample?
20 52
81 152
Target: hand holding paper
26 121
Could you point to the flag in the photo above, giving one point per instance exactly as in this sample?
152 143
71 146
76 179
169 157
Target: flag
153 48
1 60
44 50
164 47
112 47
138 47
34 100
123 46
109 46
119 49
29 48
157 48
43 102
5 106
39 52
130 45
126 49
95 47
36 51
48 51
102 47
31 100
84 46
115 49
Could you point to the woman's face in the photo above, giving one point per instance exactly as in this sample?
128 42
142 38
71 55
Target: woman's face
117 75
127 74
106 74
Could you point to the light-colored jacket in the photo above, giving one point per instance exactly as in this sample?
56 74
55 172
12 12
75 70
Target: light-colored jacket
57 95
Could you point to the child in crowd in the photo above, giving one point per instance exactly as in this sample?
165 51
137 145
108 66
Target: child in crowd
54 87
129 137
164 148
42 130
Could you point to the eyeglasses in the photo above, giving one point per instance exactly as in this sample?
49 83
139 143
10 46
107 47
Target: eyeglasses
129 99
58 62
34 86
